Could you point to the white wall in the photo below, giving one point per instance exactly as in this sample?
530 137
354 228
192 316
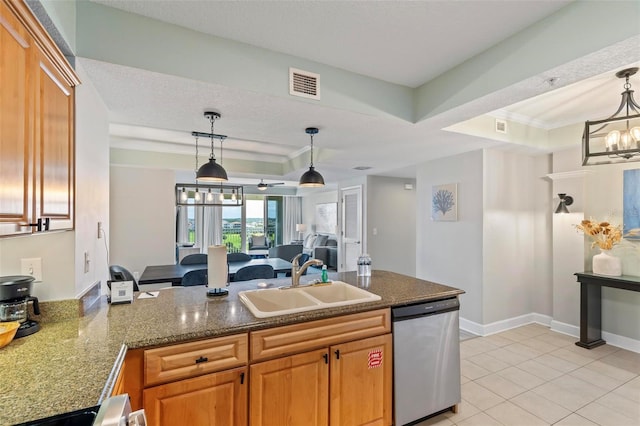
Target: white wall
56 251
92 183
509 229
142 212
391 212
309 200
598 195
451 252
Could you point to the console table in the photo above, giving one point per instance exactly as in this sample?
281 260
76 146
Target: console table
591 304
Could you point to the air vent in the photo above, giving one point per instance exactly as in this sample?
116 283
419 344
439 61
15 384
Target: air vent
501 126
304 84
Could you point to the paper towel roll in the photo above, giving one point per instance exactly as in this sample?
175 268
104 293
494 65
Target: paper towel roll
217 266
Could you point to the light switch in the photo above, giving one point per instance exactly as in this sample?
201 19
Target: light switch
33 267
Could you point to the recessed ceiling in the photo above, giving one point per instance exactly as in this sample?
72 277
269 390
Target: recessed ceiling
403 42
407 43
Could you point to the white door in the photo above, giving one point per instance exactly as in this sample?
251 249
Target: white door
351 227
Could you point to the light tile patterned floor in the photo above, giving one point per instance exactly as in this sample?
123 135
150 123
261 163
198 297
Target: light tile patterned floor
533 376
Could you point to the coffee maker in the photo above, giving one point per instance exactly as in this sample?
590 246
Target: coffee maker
15 295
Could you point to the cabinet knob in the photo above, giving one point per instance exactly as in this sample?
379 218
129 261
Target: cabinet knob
202 359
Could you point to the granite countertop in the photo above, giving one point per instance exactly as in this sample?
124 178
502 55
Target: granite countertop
70 364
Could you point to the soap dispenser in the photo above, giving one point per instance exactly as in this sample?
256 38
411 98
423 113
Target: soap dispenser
325 274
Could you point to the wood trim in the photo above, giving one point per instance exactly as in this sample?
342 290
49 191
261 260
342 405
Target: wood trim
185 360
296 338
132 371
43 39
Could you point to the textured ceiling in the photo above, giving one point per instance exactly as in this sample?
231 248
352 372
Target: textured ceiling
395 41
403 42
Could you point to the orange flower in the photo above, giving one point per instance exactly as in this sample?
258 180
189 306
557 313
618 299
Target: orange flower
603 234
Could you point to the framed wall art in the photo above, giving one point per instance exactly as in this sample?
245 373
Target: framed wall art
444 202
631 204
326 218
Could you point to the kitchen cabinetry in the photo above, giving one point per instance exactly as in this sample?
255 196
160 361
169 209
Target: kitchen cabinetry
346 382
201 383
36 126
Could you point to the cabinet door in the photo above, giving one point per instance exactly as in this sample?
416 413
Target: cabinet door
290 391
54 146
218 399
16 57
361 382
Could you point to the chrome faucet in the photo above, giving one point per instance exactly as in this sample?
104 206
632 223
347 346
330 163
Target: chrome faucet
297 271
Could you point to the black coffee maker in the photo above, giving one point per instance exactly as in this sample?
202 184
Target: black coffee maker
15 295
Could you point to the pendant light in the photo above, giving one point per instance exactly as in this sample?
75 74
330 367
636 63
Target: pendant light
311 178
211 171
617 138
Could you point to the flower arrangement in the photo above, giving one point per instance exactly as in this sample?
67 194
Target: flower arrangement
603 234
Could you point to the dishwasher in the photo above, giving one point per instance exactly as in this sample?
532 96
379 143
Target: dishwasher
426 342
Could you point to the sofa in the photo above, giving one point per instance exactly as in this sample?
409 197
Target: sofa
286 252
322 247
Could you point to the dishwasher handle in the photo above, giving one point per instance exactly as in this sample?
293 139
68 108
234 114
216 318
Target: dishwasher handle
425 309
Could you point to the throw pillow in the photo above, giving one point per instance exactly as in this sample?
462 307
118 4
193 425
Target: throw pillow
309 241
321 241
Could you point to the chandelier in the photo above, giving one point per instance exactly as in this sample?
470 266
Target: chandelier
615 139
195 194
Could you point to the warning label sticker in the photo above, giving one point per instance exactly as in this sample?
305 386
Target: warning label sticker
375 358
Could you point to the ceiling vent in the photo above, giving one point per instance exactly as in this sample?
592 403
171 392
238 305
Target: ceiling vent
501 126
304 84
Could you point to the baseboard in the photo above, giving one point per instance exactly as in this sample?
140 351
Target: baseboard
503 325
557 326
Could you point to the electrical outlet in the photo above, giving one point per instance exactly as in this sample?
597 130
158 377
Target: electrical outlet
99 230
33 267
86 262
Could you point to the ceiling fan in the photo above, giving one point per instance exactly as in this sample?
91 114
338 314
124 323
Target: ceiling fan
263 186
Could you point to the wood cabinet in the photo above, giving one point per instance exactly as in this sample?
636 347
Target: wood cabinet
335 371
200 383
213 399
292 390
346 383
36 126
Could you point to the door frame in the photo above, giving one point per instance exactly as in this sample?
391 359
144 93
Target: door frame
342 253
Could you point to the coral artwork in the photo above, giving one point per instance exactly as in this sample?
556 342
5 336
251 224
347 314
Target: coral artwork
444 202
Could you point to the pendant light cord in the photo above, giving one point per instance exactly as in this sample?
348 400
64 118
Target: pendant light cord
213 120
311 150
196 156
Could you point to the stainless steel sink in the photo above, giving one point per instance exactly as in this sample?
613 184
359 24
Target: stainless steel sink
273 302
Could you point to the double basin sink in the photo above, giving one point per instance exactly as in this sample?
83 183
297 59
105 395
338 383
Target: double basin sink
281 301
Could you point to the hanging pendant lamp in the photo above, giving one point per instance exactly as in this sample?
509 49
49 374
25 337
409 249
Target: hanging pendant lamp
311 178
211 171
617 138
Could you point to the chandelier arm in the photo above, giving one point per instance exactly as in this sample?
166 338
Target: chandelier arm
633 103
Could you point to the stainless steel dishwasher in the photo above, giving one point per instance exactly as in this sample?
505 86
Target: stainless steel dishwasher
426 366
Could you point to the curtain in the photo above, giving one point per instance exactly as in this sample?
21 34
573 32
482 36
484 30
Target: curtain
182 235
208 227
292 216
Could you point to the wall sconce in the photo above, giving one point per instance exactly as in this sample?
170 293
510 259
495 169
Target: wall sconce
565 200
190 194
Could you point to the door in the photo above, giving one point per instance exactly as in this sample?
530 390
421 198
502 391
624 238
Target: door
217 399
291 391
351 227
15 125
361 388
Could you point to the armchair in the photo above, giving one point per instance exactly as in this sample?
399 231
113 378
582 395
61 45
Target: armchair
259 242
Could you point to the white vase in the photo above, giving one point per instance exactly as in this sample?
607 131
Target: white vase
605 263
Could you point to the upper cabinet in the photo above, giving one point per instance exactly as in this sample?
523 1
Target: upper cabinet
36 127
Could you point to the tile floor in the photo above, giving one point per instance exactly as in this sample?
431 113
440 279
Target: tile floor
533 376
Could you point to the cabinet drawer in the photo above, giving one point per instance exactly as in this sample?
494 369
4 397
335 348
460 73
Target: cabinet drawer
290 339
192 359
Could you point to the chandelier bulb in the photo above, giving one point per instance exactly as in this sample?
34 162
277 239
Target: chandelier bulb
197 197
209 198
183 195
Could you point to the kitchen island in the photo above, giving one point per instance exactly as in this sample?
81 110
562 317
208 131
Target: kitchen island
73 364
